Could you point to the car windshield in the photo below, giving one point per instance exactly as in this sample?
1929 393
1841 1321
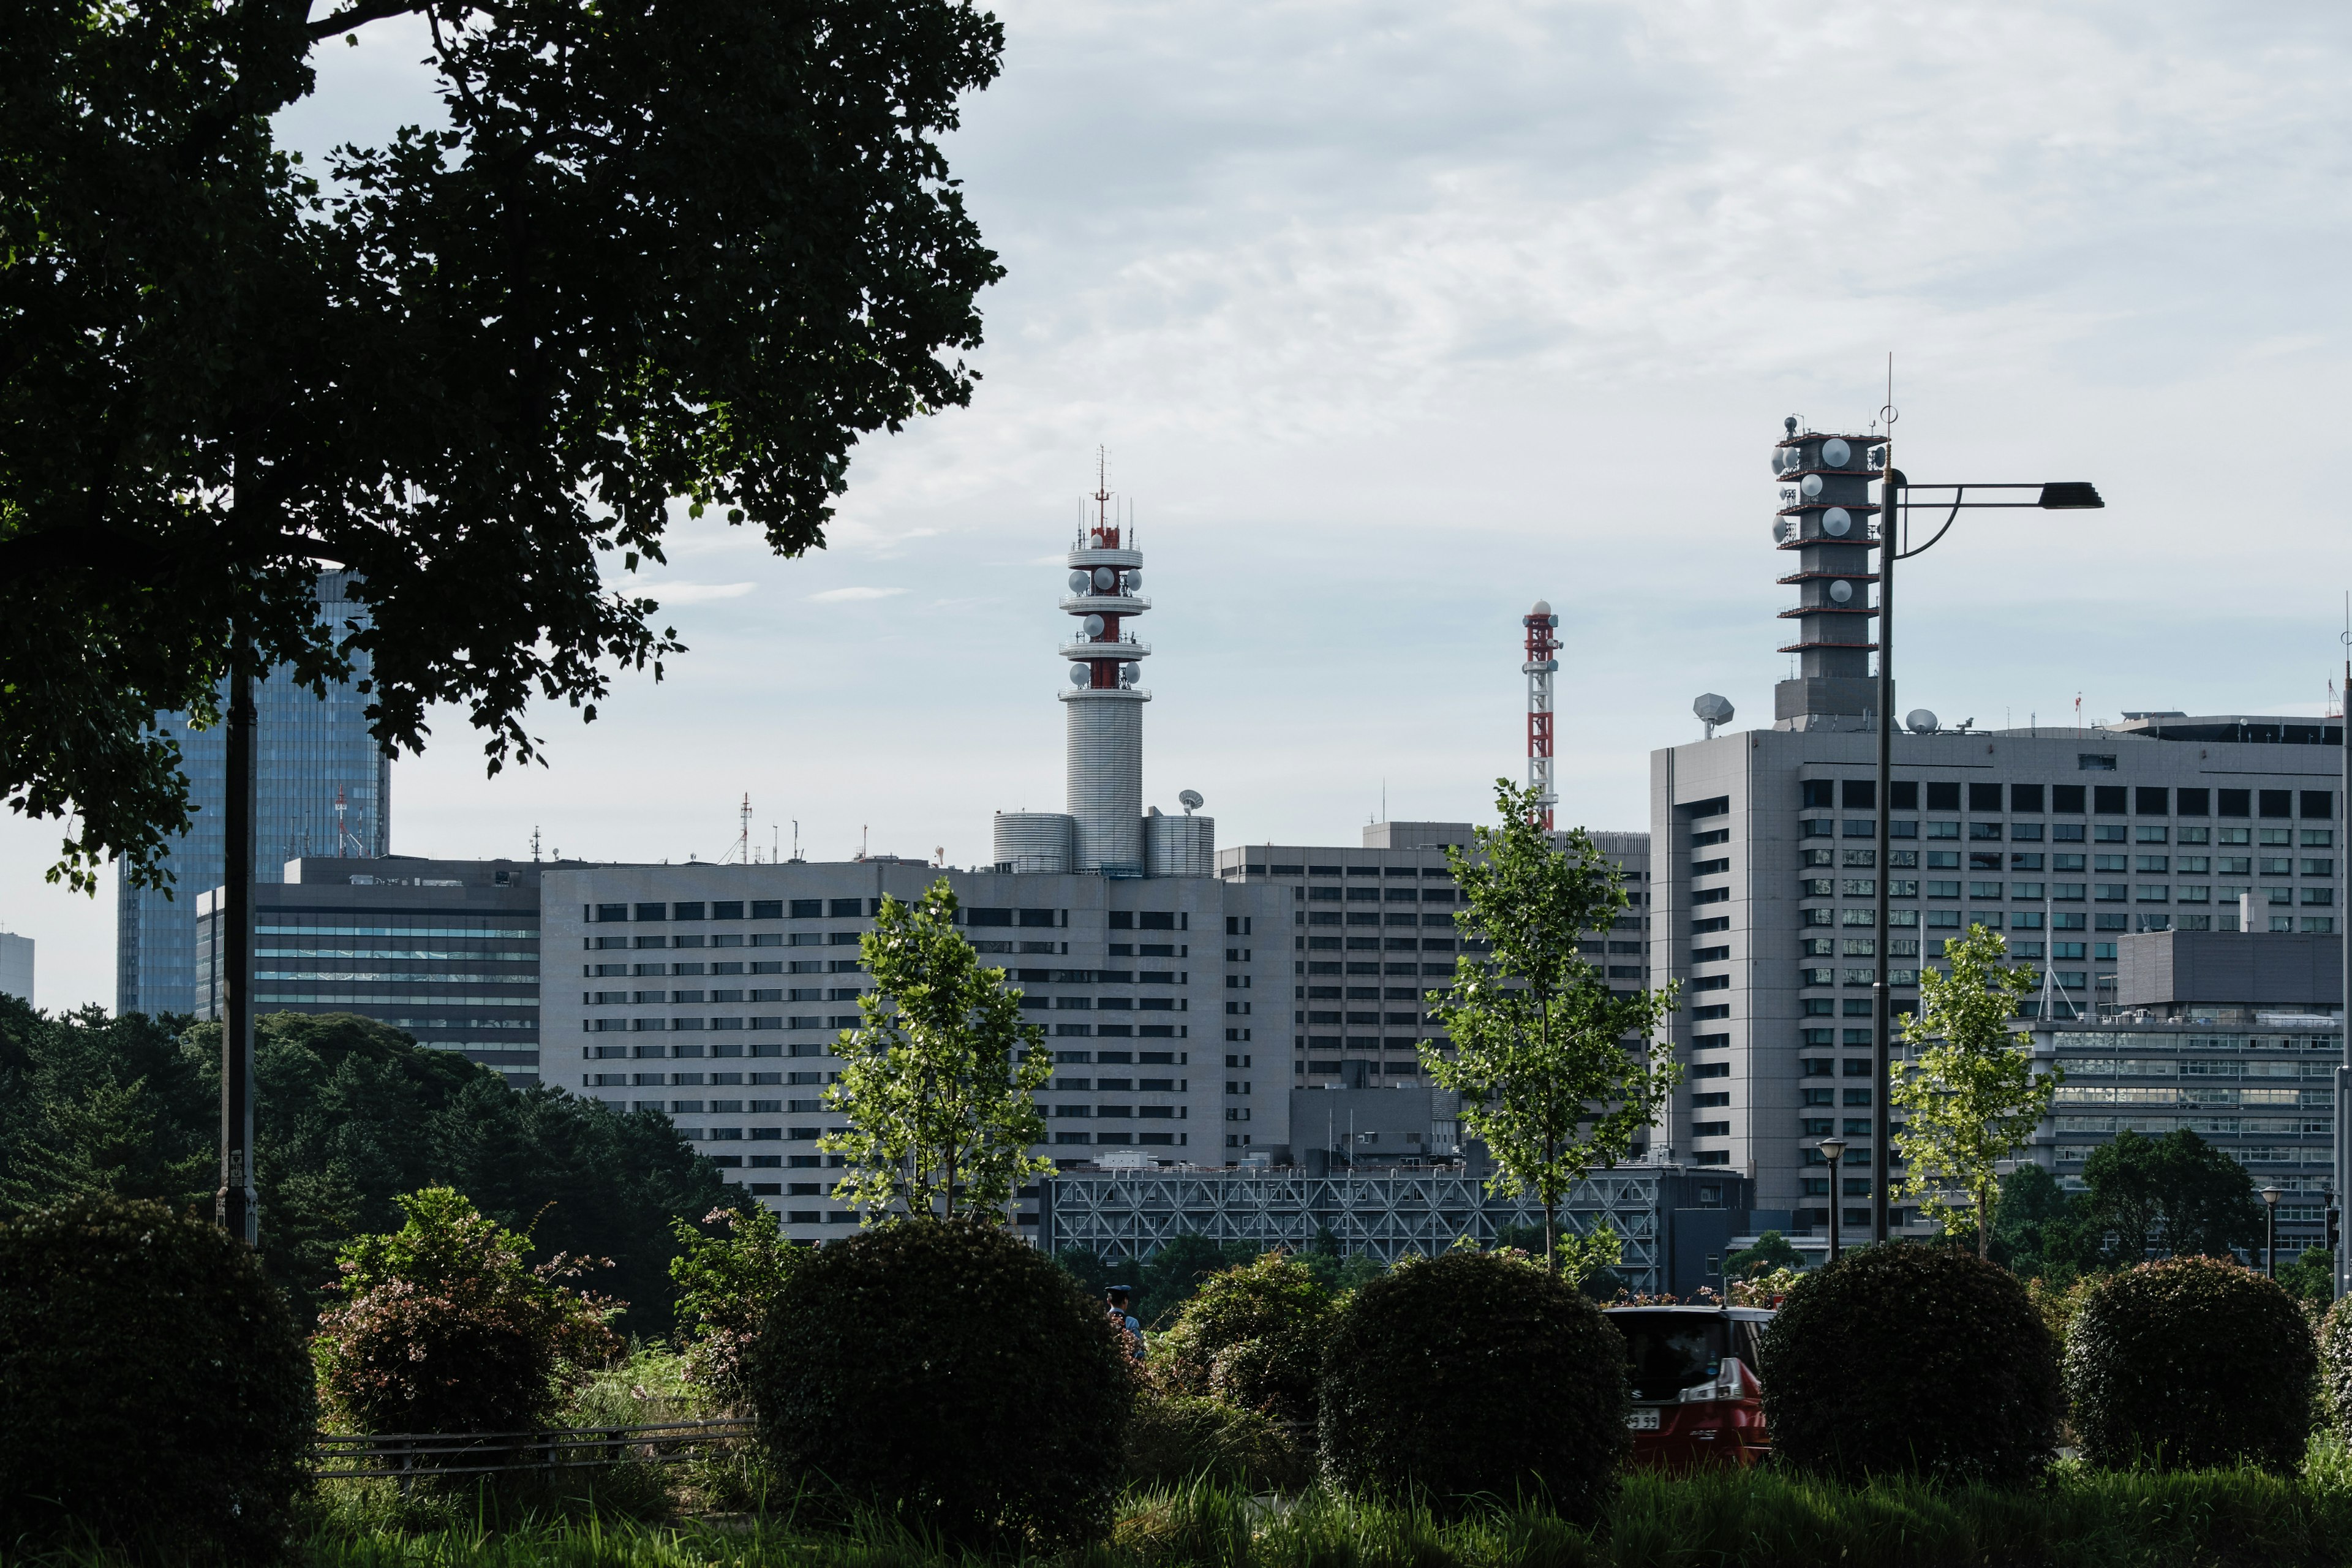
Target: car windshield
1669 1351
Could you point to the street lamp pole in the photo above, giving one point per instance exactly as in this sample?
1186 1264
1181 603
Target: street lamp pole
1834 1151
2270 1215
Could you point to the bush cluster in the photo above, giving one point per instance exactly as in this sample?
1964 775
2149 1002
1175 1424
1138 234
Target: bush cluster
1475 1375
153 1388
1251 1337
1907 1359
1179 1438
948 1372
2191 1362
2335 1365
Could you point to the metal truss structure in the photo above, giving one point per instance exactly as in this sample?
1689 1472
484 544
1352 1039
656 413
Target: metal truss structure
1388 1214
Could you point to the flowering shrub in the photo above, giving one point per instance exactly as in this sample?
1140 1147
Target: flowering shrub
445 1326
1251 1337
725 1283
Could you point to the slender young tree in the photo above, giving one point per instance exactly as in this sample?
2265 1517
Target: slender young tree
1969 1093
938 1079
1556 1071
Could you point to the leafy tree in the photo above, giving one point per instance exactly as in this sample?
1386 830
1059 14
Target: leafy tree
1969 1089
724 1285
1183 1263
1771 1252
2311 1276
91 1105
2178 1194
1540 1056
938 1079
680 251
1093 1273
2037 1228
1337 1269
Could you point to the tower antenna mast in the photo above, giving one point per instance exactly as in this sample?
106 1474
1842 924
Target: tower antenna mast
1542 646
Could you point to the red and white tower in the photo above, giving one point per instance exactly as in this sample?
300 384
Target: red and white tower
1539 667
1105 698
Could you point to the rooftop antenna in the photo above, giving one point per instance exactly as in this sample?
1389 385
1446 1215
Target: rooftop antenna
534 844
796 840
740 850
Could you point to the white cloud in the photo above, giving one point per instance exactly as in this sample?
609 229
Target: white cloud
848 595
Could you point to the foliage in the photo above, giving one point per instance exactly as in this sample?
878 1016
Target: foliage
1475 1374
2310 1277
153 1389
1252 1336
1916 1359
2176 1192
1969 1091
446 1328
2059 1304
1182 1266
1766 1290
659 252
724 1286
1773 1252
947 1372
2336 1367
1182 1438
936 1082
2036 1227
1337 1271
1539 1054
1093 1274
93 1105
2189 1363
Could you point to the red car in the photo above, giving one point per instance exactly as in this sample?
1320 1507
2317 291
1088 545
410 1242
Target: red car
1697 1399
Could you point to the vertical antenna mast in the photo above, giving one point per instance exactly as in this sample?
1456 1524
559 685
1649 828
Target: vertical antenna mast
1539 667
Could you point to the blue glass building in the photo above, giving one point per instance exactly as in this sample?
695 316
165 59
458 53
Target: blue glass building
314 754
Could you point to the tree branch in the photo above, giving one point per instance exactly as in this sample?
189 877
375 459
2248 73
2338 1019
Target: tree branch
359 13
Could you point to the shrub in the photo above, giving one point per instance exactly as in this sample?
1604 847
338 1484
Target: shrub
2191 1362
152 1385
447 1329
2335 1366
1251 1336
947 1371
1910 1359
1175 1441
1474 1374
725 1283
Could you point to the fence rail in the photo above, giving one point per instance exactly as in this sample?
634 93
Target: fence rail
405 1455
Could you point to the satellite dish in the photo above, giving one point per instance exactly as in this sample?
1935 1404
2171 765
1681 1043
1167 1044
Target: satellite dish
1811 484
1837 520
1713 709
1835 453
1129 674
1919 721
1080 582
1134 581
1190 799
1783 458
1106 579
1780 527
1079 675
1841 591
1094 624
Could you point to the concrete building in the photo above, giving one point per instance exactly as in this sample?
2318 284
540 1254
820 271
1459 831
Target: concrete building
323 789
17 966
446 950
1765 861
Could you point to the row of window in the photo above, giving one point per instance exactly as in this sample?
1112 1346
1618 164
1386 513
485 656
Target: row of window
2056 892
1377 895
696 1025
1397 1020
2034 860
1062 1084
1434 872
1365 967
2071 800
1352 918
1809 827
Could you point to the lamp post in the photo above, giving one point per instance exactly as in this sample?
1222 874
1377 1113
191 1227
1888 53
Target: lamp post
1834 1151
2270 1243
1893 489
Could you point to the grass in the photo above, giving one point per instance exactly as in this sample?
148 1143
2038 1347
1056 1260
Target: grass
1761 1519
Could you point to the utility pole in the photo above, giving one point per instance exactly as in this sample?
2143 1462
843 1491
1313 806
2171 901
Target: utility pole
236 1207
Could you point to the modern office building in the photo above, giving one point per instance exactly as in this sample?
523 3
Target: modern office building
1765 863
323 788
446 950
17 966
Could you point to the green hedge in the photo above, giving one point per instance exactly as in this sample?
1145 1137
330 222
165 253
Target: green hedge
154 1391
1250 1336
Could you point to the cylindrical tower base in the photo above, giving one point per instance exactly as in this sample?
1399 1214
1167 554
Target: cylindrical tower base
1180 845
1033 841
1105 761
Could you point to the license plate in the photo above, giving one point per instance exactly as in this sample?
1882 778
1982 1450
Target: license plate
1641 1421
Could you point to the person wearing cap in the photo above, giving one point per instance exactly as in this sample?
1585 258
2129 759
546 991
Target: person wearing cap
1115 1300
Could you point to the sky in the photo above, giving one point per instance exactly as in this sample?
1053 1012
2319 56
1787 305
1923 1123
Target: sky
1393 317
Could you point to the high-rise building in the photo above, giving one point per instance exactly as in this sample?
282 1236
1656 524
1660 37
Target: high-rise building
323 788
17 966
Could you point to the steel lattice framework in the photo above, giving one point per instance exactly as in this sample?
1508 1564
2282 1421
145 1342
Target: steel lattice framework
1390 1215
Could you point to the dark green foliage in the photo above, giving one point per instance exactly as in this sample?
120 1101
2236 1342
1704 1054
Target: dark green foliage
1180 1439
1093 1274
1168 1279
1772 1250
1920 1360
2335 1366
2178 1193
948 1372
153 1389
1474 1375
2036 1232
94 1104
725 1283
1250 1336
2190 1363
2310 1276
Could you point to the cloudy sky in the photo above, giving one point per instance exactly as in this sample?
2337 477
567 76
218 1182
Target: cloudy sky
1392 318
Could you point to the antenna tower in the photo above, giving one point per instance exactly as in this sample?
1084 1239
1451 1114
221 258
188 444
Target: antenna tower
1539 667
740 852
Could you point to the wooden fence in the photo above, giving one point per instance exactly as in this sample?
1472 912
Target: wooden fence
405 1455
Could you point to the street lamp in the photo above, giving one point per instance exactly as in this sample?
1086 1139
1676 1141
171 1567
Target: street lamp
1834 1151
1893 489
2269 1213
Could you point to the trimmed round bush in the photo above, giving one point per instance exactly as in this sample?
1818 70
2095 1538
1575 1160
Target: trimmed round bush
154 1390
2188 1363
2335 1365
949 1372
1250 1336
1474 1375
1905 1359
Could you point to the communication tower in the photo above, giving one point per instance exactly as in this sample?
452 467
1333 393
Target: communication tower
1541 665
1826 517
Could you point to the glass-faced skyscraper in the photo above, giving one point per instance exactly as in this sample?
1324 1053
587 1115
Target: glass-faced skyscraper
314 757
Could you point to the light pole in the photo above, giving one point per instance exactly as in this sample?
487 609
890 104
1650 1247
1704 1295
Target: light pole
1834 1151
1893 487
2270 1244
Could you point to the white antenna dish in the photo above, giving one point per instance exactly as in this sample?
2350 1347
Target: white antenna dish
1837 520
1106 579
1711 711
1094 625
1080 582
1835 453
1781 527
1190 800
1134 581
1919 721
1841 591
1079 675
1812 485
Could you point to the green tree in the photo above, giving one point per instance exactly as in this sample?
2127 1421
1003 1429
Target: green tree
1556 1071
1182 1266
2311 1276
1772 1250
937 1081
1971 1094
677 251
724 1285
2037 1230
2176 1194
